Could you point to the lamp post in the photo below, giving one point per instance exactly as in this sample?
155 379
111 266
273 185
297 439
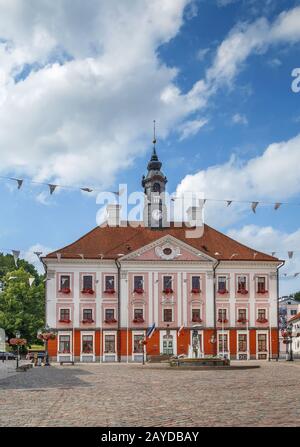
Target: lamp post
18 335
46 334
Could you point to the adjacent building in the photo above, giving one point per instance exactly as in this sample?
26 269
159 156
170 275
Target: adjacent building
209 295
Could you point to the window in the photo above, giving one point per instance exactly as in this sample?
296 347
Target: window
109 314
223 343
196 282
242 341
167 282
242 284
64 315
261 314
222 315
65 282
64 344
293 312
242 315
87 344
262 342
109 283
261 284
110 344
137 344
138 283
222 284
156 187
87 315
87 282
196 315
168 315
138 315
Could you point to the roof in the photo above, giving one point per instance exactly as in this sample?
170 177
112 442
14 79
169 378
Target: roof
109 242
295 317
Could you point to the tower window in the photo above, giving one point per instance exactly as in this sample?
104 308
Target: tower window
156 187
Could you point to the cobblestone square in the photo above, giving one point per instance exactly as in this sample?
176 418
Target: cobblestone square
152 395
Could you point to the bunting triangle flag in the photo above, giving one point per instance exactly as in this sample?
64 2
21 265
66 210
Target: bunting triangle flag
254 206
31 281
277 205
16 254
52 188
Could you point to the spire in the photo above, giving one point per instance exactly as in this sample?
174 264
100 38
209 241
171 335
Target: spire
154 163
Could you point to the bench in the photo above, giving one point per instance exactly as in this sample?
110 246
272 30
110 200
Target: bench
23 368
66 361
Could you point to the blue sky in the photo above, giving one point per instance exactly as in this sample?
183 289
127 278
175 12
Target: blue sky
80 86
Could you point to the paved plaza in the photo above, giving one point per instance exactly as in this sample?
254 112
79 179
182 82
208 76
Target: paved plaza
151 395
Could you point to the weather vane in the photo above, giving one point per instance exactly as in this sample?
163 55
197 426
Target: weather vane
154 136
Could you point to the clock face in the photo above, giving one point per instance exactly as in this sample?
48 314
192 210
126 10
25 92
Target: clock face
167 251
156 214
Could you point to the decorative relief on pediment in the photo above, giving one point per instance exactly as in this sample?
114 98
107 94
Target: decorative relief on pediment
167 251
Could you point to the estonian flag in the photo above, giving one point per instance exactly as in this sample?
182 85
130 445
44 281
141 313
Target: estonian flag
150 331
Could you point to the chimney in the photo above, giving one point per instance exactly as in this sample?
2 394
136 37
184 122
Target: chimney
195 217
113 215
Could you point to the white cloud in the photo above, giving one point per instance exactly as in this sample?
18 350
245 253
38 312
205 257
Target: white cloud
88 116
191 128
33 259
200 55
260 178
95 82
225 2
239 119
256 37
269 239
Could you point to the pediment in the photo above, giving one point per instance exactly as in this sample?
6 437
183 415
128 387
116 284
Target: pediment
168 248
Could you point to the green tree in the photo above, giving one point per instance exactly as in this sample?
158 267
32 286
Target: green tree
297 296
7 264
22 308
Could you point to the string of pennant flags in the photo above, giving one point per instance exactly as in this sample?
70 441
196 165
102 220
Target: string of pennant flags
53 187
16 255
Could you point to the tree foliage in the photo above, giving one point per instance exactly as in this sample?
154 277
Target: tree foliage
297 296
22 307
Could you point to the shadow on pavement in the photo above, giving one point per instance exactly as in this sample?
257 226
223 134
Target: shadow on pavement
46 377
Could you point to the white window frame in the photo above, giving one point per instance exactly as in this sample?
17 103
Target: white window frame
82 280
225 332
109 354
82 354
70 312
242 332
61 355
223 275
167 307
262 332
143 280
133 354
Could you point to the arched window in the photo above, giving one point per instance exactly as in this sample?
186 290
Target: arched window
156 187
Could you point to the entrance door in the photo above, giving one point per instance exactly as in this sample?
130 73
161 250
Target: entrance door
168 345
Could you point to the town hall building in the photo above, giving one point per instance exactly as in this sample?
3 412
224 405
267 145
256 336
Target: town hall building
203 296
